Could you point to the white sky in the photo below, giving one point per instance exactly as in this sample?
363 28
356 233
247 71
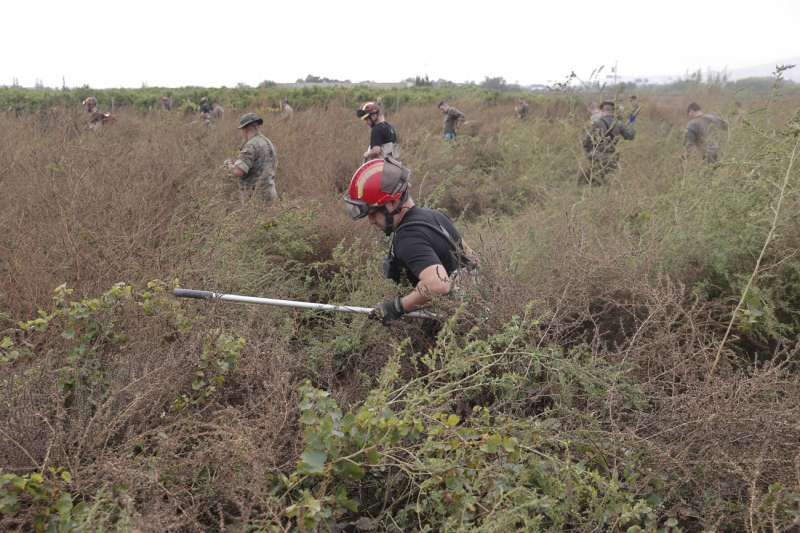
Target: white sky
169 43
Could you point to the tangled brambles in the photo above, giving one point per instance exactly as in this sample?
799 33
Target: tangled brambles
568 389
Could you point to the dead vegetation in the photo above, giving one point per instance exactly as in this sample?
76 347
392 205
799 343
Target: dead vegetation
165 423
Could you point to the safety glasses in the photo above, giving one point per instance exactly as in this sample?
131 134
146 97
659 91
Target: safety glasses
355 208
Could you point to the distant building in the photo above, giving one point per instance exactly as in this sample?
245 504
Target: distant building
370 84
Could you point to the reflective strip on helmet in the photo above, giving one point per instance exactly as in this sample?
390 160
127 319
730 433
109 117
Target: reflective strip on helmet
366 175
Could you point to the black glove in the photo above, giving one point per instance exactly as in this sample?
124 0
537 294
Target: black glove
388 311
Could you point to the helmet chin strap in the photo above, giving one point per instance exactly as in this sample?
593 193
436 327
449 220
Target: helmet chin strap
388 216
388 224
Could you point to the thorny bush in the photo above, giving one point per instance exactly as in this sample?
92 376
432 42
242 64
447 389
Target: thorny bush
569 390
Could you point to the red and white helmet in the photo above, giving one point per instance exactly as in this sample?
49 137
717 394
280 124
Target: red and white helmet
368 109
374 184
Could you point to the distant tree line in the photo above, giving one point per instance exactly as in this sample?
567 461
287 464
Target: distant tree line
319 79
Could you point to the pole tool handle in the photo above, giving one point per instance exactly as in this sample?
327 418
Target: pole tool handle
189 293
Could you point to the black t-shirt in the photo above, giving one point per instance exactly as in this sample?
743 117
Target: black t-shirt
417 246
382 133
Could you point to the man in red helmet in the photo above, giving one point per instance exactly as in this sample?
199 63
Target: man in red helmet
382 138
426 248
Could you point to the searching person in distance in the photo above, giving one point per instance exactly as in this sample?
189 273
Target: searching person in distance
257 161
451 118
521 109
426 248
205 106
94 117
382 137
600 144
209 112
286 109
702 133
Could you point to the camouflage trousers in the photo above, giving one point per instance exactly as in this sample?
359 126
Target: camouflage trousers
262 189
596 170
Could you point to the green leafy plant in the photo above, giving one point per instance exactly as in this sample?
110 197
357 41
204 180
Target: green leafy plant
217 360
43 502
42 498
405 459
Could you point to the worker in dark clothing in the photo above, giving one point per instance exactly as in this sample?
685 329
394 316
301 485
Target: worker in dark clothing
426 251
205 106
382 138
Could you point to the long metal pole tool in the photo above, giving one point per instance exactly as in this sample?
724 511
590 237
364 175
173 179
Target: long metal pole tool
208 295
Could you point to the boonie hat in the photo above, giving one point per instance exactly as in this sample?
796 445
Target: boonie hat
249 118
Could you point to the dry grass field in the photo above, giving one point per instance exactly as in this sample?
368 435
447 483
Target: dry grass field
583 384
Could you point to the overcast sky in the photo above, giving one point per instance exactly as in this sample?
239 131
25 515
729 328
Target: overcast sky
161 43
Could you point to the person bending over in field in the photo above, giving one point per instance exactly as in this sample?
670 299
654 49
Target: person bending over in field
600 145
451 118
257 162
382 137
703 133
95 118
426 250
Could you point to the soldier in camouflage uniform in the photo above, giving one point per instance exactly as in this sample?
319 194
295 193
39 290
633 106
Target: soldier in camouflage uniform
600 145
522 109
94 117
451 118
702 133
257 162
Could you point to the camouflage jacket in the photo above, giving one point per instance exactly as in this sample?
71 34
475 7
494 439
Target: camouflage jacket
703 134
257 159
452 116
603 135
